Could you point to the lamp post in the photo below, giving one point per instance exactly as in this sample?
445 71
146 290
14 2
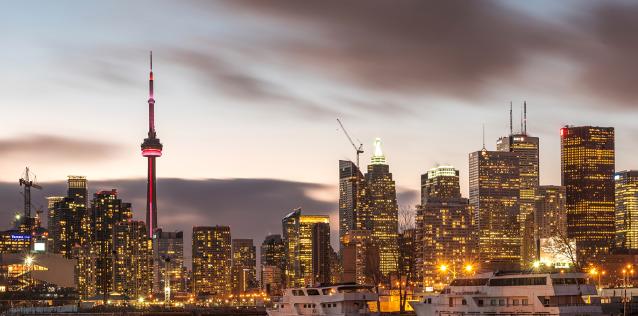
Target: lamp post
28 261
626 271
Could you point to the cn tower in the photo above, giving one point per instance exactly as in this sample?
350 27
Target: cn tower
151 149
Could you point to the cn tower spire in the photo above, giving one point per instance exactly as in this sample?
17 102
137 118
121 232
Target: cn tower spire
151 103
151 149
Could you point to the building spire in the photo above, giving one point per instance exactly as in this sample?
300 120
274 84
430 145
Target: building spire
511 127
524 117
378 158
521 130
151 101
483 136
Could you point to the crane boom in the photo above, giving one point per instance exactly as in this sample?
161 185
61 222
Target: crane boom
359 149
28 184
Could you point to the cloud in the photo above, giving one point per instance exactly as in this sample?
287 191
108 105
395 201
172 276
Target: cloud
451 47
237 81
56 148
609 59
456 49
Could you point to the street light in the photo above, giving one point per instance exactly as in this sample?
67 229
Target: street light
443 268
28 261
469 268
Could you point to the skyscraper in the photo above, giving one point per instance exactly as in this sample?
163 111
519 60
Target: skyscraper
298 240
273 251
273 264
151 149
212 260
133 264
168 254
69 218
444 226
107 210
627 209
494 197
321 252
51 223
587 172
350 188
244 274
526 148
551 216
441 182
380 204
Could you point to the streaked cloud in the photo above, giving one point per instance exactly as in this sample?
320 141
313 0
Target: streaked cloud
56 148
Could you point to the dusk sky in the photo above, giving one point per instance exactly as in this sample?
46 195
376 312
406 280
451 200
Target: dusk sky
248 92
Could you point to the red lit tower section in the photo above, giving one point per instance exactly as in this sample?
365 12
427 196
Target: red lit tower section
151 149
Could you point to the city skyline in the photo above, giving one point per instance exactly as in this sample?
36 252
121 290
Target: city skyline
201 104
312 152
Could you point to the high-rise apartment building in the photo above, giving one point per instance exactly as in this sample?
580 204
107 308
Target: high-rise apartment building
627 209
273 264
494 197
526 148
380 206
551 216
587 173
244 274
212 260
107 210
445 231
168 266
351 187
273 251
69 218
133 261
298 234
441 182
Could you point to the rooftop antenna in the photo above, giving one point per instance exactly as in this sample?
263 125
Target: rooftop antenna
483 136
524 117
511 127
521 130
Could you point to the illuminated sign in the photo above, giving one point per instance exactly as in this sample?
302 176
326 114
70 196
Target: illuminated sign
39 246
20 237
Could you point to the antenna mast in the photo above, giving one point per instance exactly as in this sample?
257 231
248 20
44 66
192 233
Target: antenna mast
483 136
524 117
511 127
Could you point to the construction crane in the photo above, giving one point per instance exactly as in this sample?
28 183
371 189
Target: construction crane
28 184
359 149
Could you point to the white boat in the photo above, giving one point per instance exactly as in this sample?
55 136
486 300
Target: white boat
513 294
338 300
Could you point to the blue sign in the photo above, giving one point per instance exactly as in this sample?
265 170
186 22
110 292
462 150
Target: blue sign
20 237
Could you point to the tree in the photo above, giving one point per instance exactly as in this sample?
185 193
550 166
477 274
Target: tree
405 263
373 269
561 246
